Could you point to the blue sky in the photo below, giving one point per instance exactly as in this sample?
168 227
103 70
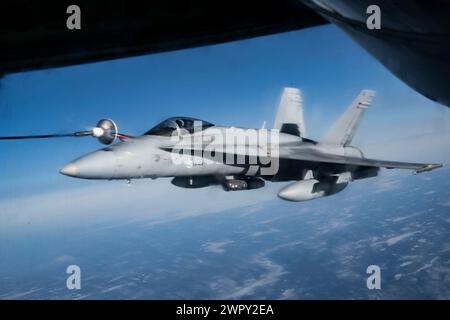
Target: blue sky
236 83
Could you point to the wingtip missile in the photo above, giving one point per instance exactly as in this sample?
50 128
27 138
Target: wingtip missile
428 167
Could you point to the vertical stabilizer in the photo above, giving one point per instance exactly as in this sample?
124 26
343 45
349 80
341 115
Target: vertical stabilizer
289 118
343 130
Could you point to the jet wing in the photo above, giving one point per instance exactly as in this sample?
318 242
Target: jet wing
313 156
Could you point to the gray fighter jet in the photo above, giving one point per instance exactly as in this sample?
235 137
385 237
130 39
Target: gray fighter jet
198 154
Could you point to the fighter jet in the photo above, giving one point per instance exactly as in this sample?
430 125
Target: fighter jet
197 154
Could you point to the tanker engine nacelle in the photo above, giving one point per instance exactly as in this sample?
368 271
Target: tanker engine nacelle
310 189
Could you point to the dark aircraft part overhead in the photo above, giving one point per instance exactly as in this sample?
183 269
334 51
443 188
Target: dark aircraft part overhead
34 34
413 42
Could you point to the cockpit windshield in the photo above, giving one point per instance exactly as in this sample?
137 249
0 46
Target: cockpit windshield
182 125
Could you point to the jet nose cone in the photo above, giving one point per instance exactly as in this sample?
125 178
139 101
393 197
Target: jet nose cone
69 170
96 165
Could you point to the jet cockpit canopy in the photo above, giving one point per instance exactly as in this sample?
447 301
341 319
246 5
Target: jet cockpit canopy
179 124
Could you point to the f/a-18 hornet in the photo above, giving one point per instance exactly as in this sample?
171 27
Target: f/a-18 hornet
197 154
